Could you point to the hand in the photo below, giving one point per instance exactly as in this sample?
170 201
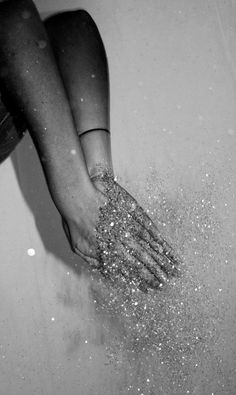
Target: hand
129 244
80 223
117 237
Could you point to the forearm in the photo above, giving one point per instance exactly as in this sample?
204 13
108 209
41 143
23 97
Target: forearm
30 76
96 146
82 60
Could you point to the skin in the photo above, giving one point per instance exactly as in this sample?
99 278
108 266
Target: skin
58 78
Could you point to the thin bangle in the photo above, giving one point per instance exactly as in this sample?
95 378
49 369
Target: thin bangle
94 130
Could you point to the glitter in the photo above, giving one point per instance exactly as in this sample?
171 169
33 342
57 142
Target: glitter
53 319
31 252
112 224
220 289
86 341
81 99
73 152
93 75
175 327
42 44
26 14
68 273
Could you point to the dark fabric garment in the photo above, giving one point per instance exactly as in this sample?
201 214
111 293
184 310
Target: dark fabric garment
12 129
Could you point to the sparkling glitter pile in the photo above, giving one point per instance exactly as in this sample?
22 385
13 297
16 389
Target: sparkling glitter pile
130 248
164 339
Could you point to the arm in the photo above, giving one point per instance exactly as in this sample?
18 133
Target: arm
83 65
108 229
35 86
128 242
30 78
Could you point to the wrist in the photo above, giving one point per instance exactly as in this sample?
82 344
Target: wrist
74 201
100 170
96 146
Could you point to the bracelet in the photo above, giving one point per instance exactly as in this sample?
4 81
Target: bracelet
94 130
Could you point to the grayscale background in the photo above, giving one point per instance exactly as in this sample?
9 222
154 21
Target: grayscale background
173 123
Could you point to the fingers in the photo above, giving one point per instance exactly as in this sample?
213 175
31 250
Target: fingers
156 239
139 215
93 262
130 260
159 260
135 271
150 267
157 252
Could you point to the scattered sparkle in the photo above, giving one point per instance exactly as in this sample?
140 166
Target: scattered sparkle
26 14
174 329
31 252
42 44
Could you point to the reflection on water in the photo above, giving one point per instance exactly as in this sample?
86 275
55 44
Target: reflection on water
169 341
